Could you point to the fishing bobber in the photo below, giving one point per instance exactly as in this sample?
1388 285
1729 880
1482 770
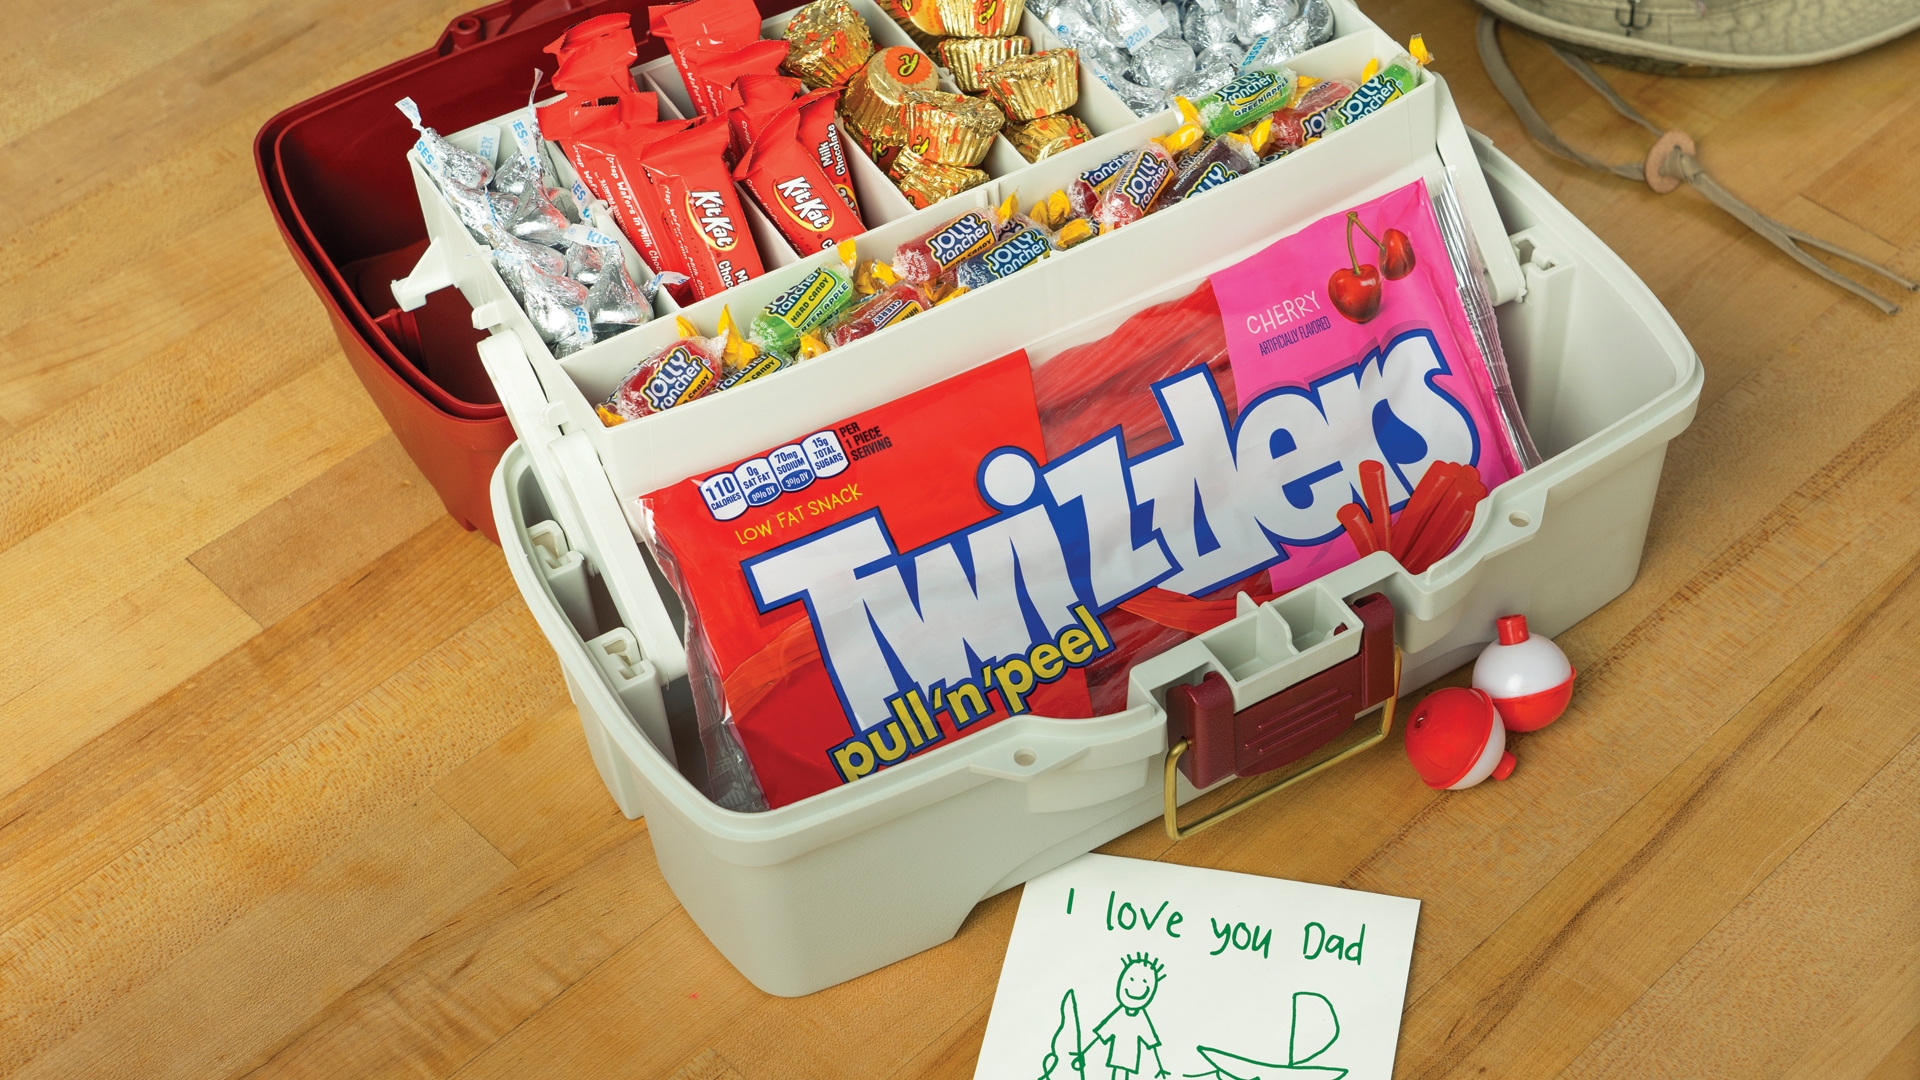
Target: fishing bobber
1455 739
1528 678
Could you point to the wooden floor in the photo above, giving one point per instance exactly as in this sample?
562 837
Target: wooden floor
290 785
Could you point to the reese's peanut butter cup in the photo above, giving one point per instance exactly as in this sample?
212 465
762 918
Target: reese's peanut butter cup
968 59
950 128
1029 87
928 182
1048 135
973 18
829 41
877 95
901 12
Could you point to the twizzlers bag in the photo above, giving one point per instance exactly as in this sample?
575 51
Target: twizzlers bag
1350 342
1014 541
860 598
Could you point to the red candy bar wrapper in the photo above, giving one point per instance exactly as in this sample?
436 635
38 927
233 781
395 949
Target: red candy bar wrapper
820 132
723 25
820 676
752 101
724 69
674 374
786 180
927 256
595 58
702 208
606 146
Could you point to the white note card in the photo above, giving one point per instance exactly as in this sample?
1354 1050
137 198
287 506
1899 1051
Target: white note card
1122 969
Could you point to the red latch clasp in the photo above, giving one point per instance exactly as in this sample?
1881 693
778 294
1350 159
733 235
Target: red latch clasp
1211 741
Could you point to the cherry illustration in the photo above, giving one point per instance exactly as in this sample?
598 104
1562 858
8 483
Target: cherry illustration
1396 255
1396 251
1355 289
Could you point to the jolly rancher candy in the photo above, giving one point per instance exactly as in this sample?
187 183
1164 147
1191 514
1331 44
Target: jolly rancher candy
1131 192
1251 95
673 374
813 301
926 257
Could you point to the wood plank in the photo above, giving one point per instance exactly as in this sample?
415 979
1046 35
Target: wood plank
239 993
490 967
534 791
77 816
98 442
289 553
1904 1062
1840 919
231 265
1882 1019
262 58
130 653
66 572
1587 945
101 937
851 1030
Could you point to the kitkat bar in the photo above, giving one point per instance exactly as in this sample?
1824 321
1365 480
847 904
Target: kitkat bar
596 58
607 152
787 182
820 133
719 72
702 207
753 100
717 25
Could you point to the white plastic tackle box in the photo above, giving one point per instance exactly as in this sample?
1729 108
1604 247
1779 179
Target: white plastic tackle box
828 888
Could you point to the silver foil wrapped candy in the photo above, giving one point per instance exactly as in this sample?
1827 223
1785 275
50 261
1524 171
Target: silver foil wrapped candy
535 219
445 162
1161 62
1261 17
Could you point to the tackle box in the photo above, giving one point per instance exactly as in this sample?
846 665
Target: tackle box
832 886
844 882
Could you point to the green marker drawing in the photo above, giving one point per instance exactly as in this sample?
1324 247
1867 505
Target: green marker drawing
1315 1028
1069 901
1069 1021
1128 1030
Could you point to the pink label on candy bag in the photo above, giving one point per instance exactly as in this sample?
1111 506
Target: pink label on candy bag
1351 354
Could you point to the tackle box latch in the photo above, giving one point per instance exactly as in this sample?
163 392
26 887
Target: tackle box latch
1212 741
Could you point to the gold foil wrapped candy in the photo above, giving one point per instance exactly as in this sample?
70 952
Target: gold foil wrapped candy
968 18
1048 135
951 129
968 59
828 41
901 12
1030 87
927 182
878 95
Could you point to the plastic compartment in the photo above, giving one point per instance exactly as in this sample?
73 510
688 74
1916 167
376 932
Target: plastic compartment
1607 380
1419 135
334 172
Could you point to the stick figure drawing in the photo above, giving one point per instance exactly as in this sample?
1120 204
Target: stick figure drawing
1131 1037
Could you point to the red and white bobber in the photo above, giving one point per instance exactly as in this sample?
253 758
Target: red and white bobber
1528 678
1455 739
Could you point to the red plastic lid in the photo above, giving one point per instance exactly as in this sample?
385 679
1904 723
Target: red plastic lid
1511 628
1447 733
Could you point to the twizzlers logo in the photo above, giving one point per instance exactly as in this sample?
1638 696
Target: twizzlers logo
708 212
1013 602
797 198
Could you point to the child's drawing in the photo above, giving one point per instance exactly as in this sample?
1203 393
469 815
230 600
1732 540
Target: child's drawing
1131 1037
